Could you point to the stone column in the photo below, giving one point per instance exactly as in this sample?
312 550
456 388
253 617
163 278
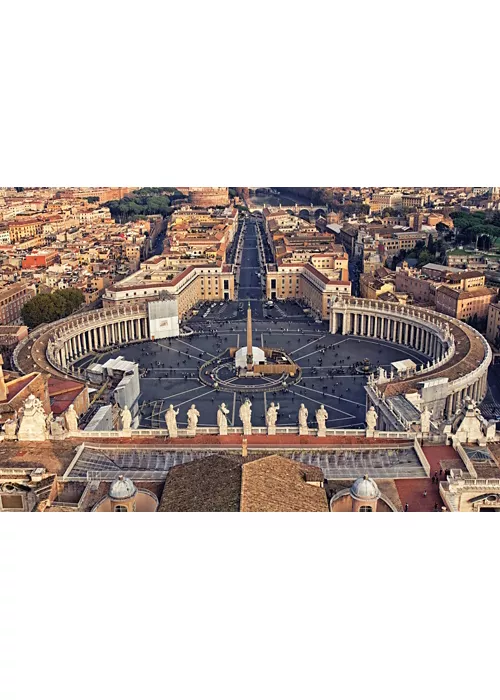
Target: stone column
476 391
449 406
355 324
125 328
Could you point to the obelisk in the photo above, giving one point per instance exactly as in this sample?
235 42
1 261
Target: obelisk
249 339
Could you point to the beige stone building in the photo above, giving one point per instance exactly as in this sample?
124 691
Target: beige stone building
493 324
12 299
304 281
464 493
188 285
465 305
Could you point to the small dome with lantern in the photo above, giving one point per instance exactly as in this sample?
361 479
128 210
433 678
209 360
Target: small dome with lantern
365 489
122 488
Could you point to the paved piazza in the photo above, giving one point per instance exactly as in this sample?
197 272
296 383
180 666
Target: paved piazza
170 367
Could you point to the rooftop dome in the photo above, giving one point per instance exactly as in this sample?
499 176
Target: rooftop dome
122 488
365 489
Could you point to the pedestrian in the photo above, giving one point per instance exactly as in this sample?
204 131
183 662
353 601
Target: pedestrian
441 472
433 479
407 507
436 507
436 475
425 493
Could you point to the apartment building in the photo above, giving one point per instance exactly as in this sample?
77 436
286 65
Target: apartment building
465 305
493 324
12 299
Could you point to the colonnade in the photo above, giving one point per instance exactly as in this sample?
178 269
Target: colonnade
97 331
427 332
403 330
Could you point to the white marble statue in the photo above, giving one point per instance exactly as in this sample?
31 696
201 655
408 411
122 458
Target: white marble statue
33 425
371 419
171 420
382 374
245 414
193 416
222 419
10 429
57 429
425 420
271 418
321 418
126 418
71 419
303 415
272 415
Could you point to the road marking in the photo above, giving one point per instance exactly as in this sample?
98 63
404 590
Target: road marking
205 352
340 398
305 346
321 403
332 408
181 393
212 391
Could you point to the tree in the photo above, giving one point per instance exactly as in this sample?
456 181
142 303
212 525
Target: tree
442 228
431 246
424 258
46 308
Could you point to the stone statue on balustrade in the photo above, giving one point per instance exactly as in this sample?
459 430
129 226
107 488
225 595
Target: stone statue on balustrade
425 421
57 428
246 416
71 419
222 419
171 421
271 418
382 375
10 429
33 424
321 418
303 415
125 419
371 421
193 416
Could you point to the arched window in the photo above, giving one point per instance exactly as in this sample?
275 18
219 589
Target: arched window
121 509
365 509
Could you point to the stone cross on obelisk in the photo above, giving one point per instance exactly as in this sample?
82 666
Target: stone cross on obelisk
249 339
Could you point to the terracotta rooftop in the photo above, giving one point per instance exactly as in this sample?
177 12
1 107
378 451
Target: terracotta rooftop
226 483
277 484
211 484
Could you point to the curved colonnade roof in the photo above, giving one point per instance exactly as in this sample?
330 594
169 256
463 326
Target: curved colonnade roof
469 353
32 355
